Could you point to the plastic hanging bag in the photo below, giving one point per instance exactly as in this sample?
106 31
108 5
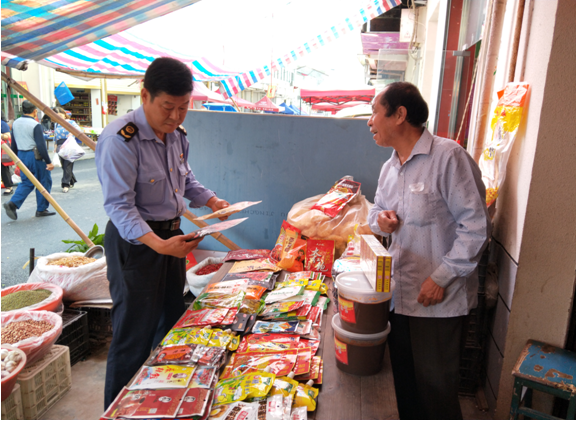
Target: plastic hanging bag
317 225
505 122
70 150
56 160
87 282
37 346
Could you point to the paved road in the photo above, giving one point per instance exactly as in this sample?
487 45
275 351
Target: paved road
83 203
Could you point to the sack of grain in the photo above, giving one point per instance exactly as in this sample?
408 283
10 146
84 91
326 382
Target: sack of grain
81 279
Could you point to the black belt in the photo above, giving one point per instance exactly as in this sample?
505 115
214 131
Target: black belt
171 225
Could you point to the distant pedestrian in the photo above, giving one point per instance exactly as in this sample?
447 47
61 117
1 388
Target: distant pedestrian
60 136
6 160
28 143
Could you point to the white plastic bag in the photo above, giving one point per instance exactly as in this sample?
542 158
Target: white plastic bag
88 282
198 282
56 160
70 150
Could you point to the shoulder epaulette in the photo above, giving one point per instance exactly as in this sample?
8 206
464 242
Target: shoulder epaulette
182 129
128 131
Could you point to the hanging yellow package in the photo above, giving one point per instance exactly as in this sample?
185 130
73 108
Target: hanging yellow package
505 122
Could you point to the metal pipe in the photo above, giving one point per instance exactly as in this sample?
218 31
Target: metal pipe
489 71
516 40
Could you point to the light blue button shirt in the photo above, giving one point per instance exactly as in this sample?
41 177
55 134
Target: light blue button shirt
144 179
440 200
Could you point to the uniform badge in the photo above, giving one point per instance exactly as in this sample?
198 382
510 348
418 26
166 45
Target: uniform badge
128 131
182 129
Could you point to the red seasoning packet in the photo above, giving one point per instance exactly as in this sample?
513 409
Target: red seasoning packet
320 256
204 317
341 193
245 254
276 253
303 361
229 319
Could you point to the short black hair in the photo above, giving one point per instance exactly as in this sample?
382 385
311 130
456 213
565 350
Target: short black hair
168 75
28 107
407 95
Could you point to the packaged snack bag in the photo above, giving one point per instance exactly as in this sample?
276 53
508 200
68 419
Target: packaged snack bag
268 341
299 413
285 386
265 278
293 259
283 294
179 354
203 317
337 197
194 402
254 292
230 316
303 361
254 265
218 300
212 356
162 377
320 256
220 338
253 385
276 253
230 210
245 254
202 377
314 370
177 337
306 396
234 411
251 306
278 362
274 327
281 307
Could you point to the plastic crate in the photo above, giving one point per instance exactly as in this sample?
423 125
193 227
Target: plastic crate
99 325
75 334
12 406
43 383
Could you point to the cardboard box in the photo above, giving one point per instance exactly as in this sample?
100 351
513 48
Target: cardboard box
376 263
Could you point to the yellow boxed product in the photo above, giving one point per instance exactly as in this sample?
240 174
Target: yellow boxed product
376 263
12 406
43 383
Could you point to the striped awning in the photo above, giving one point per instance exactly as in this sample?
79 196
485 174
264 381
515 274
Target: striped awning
36 29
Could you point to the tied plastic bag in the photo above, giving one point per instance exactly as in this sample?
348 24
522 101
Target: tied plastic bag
37 346
70 150
56 160
317 225
87 282
196 283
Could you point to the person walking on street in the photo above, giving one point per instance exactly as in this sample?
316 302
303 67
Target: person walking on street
6 160
142 165
60 136
431 202
29 144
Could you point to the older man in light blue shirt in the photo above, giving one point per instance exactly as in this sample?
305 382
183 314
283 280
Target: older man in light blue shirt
431 203
142 163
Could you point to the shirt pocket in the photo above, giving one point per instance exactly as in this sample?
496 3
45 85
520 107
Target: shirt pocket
422 204
183 171
150 188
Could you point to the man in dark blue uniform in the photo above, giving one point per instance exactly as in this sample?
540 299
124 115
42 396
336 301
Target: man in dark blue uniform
142 164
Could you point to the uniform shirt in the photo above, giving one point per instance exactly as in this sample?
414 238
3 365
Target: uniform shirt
443 227
61 134
144 179
26 135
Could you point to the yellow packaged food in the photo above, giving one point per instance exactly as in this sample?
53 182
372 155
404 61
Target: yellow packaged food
284 386
305 396
253 385
234 343
220 338
199 336
292 283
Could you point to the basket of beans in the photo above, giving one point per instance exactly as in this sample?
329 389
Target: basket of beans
33 332
34 296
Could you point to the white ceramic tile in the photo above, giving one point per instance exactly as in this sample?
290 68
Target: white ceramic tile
493 368
507 269
499 326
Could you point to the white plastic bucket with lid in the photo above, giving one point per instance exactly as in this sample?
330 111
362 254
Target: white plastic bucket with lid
362 310
356 353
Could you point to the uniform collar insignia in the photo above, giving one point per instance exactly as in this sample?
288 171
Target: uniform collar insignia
128 131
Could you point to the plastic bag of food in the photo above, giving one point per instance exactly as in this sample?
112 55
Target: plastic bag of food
279 247
317 225
253 385
30 297
505 122
277 362
196 283
35 347
337 197
86 282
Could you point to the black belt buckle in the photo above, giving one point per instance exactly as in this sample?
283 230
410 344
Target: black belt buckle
175 224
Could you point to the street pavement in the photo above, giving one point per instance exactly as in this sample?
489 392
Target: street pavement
83 204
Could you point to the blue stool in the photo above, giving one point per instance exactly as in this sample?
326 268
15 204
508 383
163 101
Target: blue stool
548 369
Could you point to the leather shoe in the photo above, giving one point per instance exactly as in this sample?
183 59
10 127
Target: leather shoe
11 210
45 213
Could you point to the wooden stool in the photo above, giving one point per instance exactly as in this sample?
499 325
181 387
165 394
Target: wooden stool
548 369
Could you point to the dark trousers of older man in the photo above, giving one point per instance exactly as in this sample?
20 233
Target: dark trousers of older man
425 357
147 292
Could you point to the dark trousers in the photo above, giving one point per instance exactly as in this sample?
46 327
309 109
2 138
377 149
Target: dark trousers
68 178
147 292
425 356
38 170
6 177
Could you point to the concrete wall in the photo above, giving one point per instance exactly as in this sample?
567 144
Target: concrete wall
277 159
535 231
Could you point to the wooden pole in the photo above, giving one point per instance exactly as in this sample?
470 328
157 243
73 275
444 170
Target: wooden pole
218 235
47 195
47 110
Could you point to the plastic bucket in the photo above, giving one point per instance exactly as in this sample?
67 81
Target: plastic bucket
362 310
362 355
63 94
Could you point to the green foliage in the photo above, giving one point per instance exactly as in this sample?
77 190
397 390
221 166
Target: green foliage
81 246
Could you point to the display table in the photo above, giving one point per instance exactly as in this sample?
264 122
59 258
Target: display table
342 395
